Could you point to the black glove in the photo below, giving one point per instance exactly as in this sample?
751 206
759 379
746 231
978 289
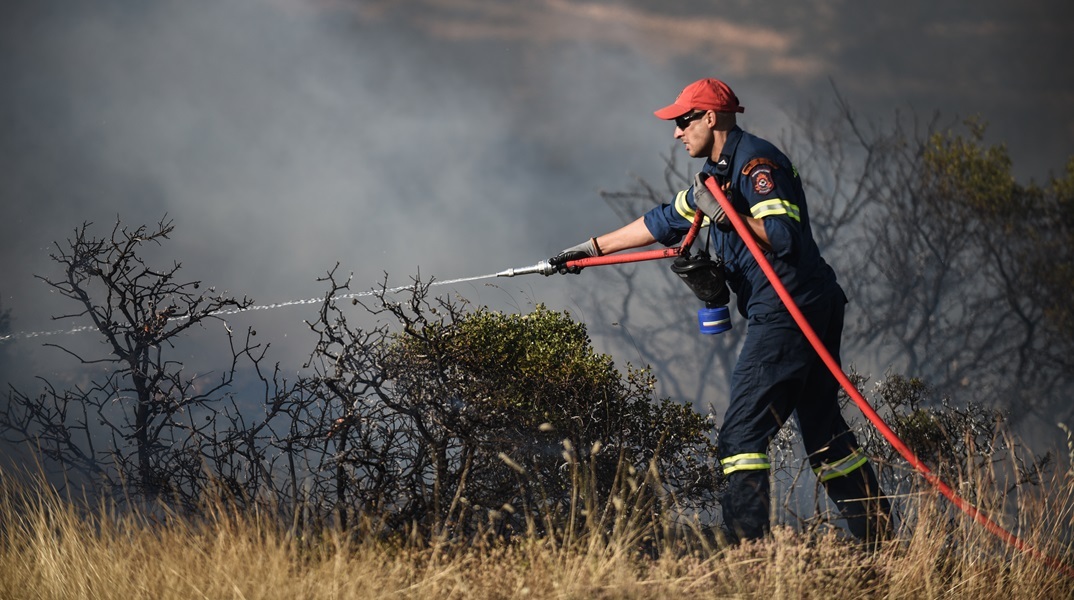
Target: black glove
584 250
708 205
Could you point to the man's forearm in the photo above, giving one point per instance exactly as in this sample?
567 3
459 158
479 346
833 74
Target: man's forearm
634 235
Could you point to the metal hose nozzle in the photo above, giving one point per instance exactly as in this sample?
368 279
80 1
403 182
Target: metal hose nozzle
543 267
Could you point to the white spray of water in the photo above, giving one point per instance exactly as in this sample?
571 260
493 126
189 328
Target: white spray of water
235 311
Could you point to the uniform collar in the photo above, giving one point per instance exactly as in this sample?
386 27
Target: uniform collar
722 165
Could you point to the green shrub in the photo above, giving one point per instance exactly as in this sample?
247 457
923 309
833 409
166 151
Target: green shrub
530 386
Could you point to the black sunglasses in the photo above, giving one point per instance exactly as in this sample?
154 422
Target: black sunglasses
684 121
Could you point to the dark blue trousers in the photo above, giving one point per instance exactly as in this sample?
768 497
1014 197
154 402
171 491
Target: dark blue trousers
778 375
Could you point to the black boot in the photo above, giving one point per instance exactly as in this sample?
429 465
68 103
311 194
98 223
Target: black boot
863 505
746 505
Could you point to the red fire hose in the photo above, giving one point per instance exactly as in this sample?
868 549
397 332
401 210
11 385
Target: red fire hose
629 257
861 402
544 268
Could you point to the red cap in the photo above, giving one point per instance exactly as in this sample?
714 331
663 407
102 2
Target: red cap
704 94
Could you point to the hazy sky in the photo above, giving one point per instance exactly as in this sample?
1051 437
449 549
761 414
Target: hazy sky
455 136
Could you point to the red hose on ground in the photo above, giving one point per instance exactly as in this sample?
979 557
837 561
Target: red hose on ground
966 507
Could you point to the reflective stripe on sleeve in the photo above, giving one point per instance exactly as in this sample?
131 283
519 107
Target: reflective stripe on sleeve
775 206
685 211
745 462
841 467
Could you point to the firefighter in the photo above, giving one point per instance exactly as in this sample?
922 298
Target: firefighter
778 374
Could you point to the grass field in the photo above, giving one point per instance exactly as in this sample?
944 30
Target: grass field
51 548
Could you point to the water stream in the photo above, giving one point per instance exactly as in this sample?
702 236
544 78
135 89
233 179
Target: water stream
234 311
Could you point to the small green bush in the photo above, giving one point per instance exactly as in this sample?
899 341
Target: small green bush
530 386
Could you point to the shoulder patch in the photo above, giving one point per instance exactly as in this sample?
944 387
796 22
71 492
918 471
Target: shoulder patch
762 180
759 170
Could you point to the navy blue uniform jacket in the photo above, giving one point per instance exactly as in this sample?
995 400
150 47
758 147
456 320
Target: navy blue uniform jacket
760 181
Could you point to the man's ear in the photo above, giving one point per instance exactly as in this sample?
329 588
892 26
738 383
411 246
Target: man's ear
725 121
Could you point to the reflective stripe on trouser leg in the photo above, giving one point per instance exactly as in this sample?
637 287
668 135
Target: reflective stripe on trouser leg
752 461
853 485
842 467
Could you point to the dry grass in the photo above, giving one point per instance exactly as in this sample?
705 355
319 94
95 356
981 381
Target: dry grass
51 549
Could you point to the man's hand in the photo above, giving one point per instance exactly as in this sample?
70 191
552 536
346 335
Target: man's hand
584 250
708 205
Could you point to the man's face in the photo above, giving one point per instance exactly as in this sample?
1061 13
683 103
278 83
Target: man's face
695 132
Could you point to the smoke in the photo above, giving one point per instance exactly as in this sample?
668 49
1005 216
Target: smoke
452 137
282 138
